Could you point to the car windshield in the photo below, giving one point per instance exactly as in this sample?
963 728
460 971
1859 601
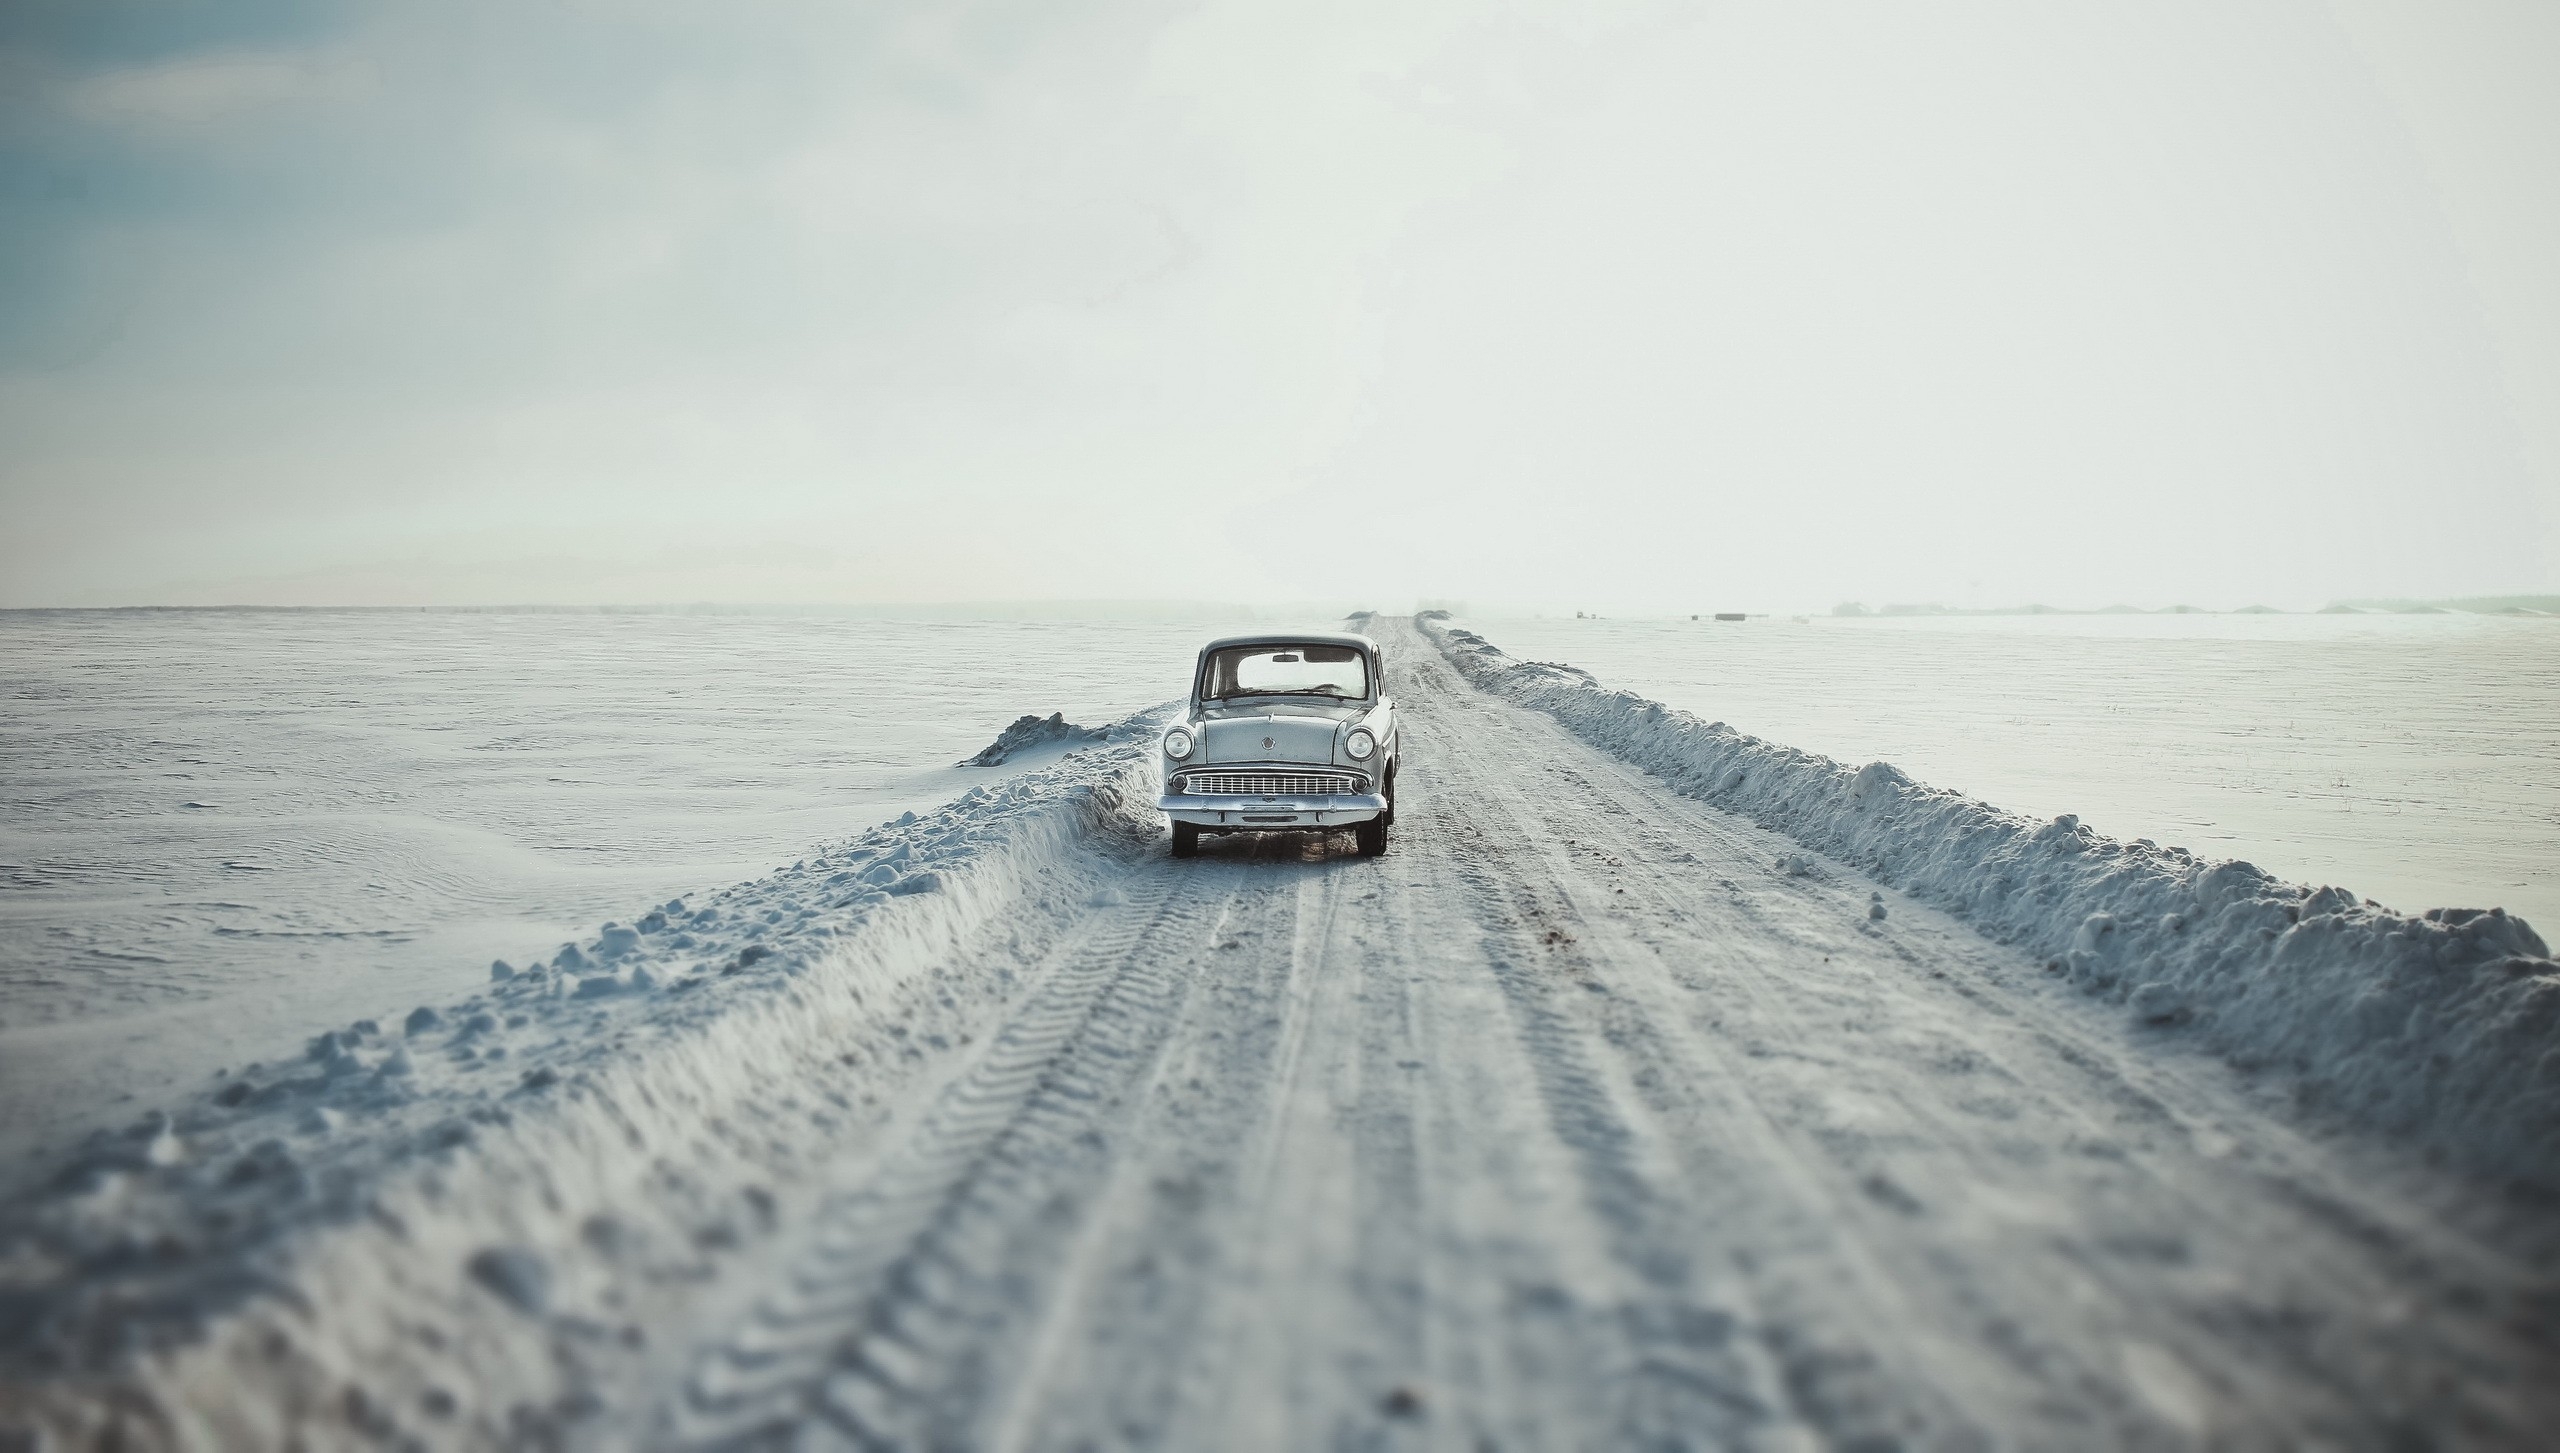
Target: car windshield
1337 671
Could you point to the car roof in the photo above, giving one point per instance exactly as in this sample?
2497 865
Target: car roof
1294 638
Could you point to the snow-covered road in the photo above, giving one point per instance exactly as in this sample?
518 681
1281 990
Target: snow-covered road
1573 1123
1576 1121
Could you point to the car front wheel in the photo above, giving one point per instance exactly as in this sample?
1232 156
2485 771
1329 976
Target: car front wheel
1186 840
1372 836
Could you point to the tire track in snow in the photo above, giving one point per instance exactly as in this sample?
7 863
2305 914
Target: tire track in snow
1835 1309
1138 1259
1219 1383
1699 1376
1830 1306
872 1339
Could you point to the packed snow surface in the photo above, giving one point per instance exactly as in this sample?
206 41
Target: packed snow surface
1594 1114
2409 758
2444 1025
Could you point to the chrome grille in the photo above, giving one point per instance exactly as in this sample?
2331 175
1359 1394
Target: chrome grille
1267 783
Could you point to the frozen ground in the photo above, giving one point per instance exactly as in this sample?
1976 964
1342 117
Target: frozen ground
2411 758
1595 1114
213 823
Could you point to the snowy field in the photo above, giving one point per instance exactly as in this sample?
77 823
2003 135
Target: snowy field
2412 759
215 823
1660 1087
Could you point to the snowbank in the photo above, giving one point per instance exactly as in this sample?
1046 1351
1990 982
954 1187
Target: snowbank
2444 1027
447 1225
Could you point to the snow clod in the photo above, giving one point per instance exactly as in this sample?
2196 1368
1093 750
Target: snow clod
1028 732
518 1277
160 1142
2158 1003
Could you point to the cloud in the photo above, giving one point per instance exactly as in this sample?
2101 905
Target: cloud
183 97
1598 302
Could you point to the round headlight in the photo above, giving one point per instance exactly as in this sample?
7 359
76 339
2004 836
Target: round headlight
1360 744
1177 743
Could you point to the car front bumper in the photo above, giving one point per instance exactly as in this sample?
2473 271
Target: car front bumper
1277 813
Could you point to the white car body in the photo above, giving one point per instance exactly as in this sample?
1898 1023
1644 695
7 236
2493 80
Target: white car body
1283 760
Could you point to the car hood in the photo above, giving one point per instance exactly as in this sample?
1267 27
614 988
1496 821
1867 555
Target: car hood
1271 736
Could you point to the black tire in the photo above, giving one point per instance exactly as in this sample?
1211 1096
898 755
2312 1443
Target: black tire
1391 796
1372 836
1186 840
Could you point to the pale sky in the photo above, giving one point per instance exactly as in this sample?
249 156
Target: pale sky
1627 306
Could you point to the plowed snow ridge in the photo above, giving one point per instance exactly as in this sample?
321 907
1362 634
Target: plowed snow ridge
1590 1116
2444 1026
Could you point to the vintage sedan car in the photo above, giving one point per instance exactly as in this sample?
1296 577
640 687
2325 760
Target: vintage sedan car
1283 733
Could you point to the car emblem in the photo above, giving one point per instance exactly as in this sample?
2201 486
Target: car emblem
1266 744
